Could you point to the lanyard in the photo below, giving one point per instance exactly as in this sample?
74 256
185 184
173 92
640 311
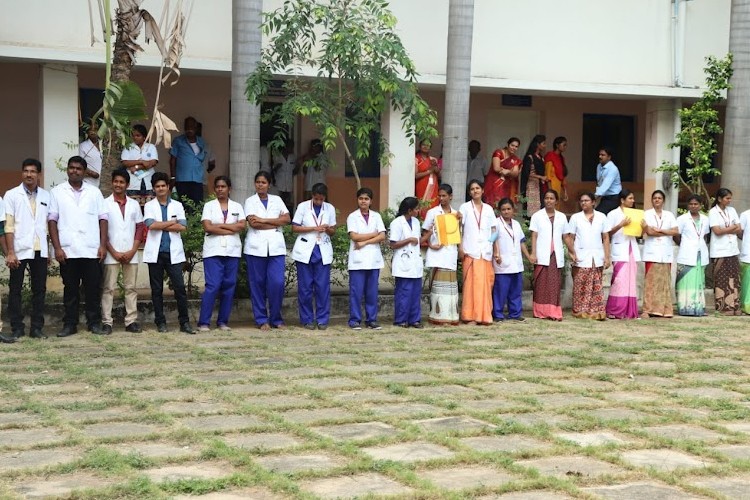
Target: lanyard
510 232
698 229
315 218
659 220
478 217
724 217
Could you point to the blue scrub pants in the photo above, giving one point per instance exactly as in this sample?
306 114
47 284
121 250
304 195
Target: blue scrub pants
407 301
507 291
363 282
265 275
221 280
314 279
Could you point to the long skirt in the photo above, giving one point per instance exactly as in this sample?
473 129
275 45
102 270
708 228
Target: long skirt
622 302
657 290
478 278
588 294
727 284
444 297
547 286
745 294
691 290
533 197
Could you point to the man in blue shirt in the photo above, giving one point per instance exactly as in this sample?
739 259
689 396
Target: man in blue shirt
186 158
608 185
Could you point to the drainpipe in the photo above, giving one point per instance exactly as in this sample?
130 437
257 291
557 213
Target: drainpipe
678 41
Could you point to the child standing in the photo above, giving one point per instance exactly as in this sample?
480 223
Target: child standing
508 265
407 265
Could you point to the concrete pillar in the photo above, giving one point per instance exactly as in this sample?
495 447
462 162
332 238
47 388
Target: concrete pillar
397 181
58 119
662 123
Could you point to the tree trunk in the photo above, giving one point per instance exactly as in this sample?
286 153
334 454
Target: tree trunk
737 125
244 151
457 93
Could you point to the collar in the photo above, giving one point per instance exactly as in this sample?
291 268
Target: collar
169 199
29 193
121 203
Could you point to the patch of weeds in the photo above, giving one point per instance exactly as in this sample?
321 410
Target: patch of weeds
396 388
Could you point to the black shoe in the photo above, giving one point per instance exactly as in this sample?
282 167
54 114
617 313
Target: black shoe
98 329
374 325
105 330
309 326
401 325
417 325
36 333
6 340
133 327
322 327
67 331
519 319
17 334
162 328
186 328
355 326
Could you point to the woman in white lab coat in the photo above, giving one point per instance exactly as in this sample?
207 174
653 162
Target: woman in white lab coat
547 227
692 259
659 226
407 265
724 251
622 302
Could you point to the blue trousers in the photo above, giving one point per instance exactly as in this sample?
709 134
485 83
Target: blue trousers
265 275
507 291
363 282
221 280
407 301
314 279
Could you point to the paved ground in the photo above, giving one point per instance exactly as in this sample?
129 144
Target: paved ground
615 410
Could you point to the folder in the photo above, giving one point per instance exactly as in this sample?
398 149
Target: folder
447 229
634 228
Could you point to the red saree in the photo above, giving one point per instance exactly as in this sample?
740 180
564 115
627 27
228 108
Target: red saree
497 187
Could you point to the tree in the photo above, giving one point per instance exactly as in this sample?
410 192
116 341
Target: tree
736 145
457 91
700 125
244 151
342 65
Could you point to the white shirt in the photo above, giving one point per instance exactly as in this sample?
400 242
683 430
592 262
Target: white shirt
510 238
121 228
305 242
284 174
724 245
692 240
93 156
28 226
175 211
369 256
78 219
477 226
658 248
548 237
222 245
146 152
476 168
588 238
407 260
745 248
265 242
447 256
620 243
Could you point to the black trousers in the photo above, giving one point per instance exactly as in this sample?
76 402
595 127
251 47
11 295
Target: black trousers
608 203
156 280
190 190
89 272
38 274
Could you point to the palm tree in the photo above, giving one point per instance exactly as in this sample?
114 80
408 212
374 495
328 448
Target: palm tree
244 151
457 92
737 126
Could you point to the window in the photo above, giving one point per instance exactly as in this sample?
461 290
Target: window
613 131
368 166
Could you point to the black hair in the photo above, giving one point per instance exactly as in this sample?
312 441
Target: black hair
558 140
607 150
512 140
557 195
264 174
476 181
320 188
224 178
159 176
425 141
141 128
77 159
32 161
506 201
121 172
408 203
539 138
659 191
367 191
625 193
587 193
446 187
721 193
695 197
474 141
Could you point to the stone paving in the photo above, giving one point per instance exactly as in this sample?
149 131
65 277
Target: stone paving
535 411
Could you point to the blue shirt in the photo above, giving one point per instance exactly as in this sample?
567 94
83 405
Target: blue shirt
189 163
607 180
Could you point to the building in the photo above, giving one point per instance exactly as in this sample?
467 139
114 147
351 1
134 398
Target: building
595 71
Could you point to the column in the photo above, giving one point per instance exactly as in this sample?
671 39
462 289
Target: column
662 123
396 181
58 120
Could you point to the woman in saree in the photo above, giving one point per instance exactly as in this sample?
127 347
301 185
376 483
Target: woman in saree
555 169
547 227
659 226
476 251
724 252
587 239
533 180
622 302
502 179
692 259
426 177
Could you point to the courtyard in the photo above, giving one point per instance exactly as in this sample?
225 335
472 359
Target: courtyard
536 410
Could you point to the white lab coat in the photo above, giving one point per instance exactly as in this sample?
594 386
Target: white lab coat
28 226
658 248
369 256
305 242
620 243
78 219
265 242
447 256
588 238
548 236
222 245
692 240
745 248
476 236
724 245
121 229
407 260
510 238
175 211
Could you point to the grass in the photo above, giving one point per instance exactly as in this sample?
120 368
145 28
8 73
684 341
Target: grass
533 367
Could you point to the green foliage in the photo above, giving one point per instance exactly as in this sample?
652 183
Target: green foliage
362 68
192 241
700 126
124 104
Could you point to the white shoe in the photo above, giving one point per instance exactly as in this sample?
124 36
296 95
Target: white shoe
225 328
204 328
